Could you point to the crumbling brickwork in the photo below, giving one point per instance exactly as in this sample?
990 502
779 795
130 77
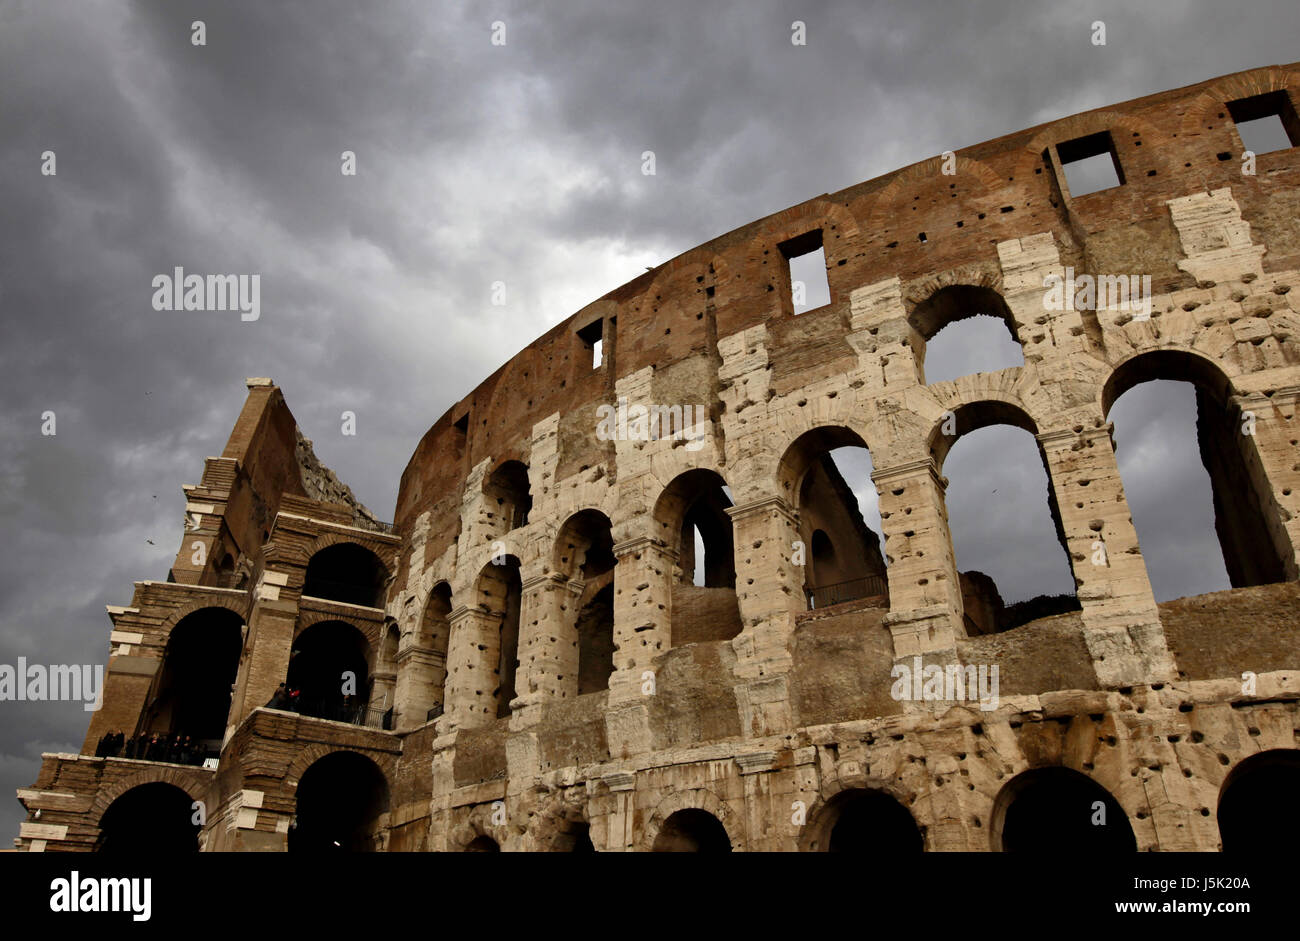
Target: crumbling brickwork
749 709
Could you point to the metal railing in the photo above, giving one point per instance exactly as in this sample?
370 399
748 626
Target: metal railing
328 589
870 586
351 713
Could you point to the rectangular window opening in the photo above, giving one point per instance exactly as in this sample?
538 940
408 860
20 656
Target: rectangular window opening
1090 164
806 266
1266 122
593 338
462 424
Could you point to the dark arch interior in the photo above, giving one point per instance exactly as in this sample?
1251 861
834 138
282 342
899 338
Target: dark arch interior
575 839
1258 807
500 593
153 818
320 657
692 831
193 692
339 802
482 844
1051 811
869 821
348 573
596 641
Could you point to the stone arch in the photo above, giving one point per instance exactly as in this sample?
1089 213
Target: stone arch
853 807
945 304
878 211
696 498
369 629
984 607
1119 125
190 692
152 818
187 781
477 826
971 412
351 817
698 798
844 557
498 595
236 604
1021 820
1257 811
347 571
320 657
1255 548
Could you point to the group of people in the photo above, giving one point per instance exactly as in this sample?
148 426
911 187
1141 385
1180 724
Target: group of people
346 708
173 747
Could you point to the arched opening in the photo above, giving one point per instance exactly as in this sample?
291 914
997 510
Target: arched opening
692 831
190 698
499 592
1258 811
574 837
428 658
861 820
155 818
1050 811
691 518
482 844
507 489
1196 493
585 552
341 806
826 476
346 572
964 329
328 672
1004 519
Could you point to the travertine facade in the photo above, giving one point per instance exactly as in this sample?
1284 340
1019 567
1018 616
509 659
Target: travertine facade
649 712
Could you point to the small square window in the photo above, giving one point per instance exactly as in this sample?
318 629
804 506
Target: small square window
1266 122
1090 164
593 338
806 263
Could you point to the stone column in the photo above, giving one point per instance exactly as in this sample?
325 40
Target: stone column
769 591
472 660
925 606
548 652
1121 623
642 631
265 663
1270 453
421 673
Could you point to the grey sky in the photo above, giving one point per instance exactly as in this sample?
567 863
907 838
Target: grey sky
475 164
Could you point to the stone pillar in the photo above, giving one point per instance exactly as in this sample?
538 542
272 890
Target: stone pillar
1121 623
548 650
642 631
472 660
421 673
925 608
1271 458
265 663
769 591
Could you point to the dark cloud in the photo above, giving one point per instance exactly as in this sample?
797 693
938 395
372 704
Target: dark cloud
475 164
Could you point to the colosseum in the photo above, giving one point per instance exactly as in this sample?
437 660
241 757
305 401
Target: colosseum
536 655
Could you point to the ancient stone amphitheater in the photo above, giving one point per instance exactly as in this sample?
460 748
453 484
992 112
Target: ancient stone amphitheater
533 657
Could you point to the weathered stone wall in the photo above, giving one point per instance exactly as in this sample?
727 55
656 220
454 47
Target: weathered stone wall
740 702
